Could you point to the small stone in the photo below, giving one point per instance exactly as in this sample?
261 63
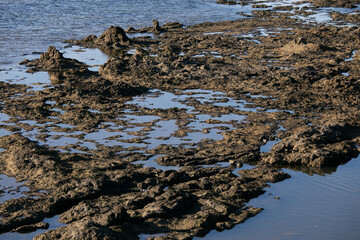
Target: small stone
32 227
24 62
156 25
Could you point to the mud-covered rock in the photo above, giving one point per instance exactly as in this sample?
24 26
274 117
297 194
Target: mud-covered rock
299 46
112 40
301 77
354 18
32 227
83 230
271 175
226 2
332 3
113 37
115 66
315 147
25 159
156 26
53 60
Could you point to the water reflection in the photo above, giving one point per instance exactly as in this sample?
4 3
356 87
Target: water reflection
10 189
52 221
53 22
309 207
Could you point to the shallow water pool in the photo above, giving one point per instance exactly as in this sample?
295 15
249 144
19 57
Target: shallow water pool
309 207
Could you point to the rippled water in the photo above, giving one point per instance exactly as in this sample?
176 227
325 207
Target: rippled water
10 189
310 207
53 223
116 133
28 26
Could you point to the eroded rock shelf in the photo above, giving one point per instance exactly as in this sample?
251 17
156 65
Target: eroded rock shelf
167 136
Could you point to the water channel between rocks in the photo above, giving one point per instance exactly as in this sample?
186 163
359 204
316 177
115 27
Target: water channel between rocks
131 123
130 129
122 131
53 223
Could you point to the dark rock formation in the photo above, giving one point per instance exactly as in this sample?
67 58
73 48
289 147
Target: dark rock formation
316 147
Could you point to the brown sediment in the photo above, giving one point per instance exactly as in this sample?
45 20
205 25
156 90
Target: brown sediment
352 18
298 69
331 3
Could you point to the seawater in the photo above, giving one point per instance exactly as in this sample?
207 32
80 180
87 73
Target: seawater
321 207
28 26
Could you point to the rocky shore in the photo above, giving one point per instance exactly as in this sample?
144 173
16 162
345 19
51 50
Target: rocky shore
302 79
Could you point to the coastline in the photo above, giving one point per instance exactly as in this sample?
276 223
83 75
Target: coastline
299 84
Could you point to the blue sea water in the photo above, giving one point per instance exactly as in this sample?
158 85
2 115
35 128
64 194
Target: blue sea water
28 26
321 207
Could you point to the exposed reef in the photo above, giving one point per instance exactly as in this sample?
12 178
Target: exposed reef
277 76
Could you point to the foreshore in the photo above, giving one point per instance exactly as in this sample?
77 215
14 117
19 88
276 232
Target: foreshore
269 78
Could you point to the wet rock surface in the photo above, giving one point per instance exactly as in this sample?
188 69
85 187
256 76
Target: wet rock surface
314 147
224 90
330 3
53 60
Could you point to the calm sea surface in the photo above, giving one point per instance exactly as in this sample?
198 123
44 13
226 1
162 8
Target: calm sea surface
28 26
314 207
